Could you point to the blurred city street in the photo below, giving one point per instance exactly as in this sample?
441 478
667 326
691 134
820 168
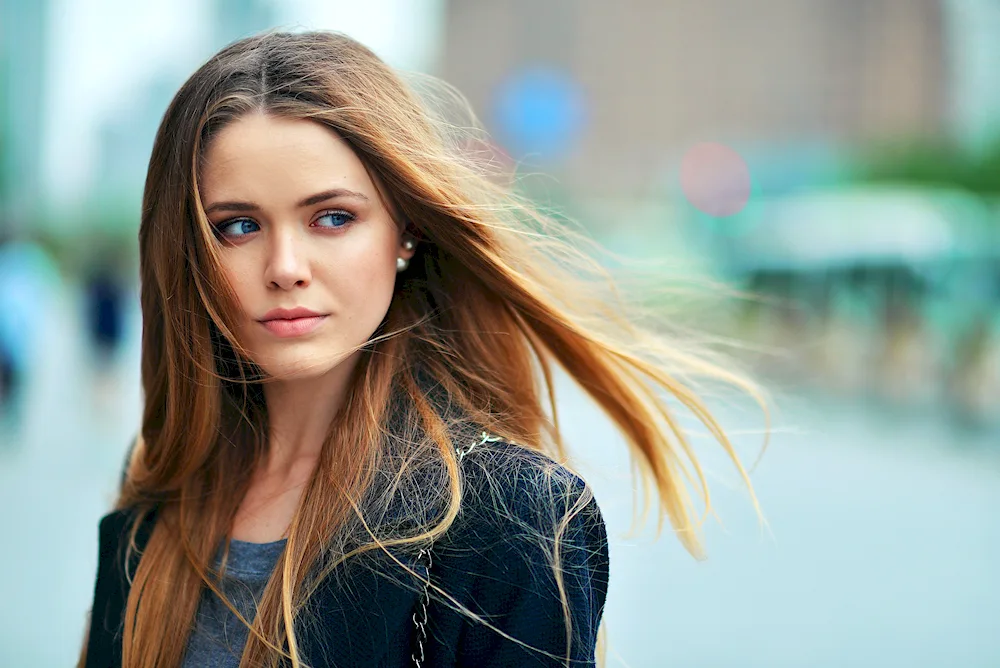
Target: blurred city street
820 182
881 547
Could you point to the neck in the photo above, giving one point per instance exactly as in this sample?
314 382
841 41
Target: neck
300 412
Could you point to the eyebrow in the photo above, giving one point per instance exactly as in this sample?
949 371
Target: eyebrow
308 201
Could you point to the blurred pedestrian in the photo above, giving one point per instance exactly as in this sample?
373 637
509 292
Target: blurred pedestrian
105 312
27 275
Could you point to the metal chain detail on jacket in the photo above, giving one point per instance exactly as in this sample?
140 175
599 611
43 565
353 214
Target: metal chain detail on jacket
420 616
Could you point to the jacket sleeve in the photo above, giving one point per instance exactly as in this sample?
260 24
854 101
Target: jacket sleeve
111 589
516 588
100 648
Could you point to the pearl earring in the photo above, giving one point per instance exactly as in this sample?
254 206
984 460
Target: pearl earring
402 263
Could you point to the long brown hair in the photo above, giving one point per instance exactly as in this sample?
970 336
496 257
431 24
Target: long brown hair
496 296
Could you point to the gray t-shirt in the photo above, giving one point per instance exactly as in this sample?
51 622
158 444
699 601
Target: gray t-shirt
218 637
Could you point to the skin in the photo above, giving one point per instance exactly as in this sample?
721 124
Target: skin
336 257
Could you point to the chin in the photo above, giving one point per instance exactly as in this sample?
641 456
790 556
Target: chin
302 364
302 371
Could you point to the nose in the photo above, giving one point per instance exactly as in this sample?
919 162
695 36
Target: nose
287 262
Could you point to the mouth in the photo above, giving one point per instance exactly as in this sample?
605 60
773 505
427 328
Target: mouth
292 327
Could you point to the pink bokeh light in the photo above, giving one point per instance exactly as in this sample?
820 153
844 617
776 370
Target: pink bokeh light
715 179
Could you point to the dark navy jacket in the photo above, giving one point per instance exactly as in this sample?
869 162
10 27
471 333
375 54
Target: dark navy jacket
486 561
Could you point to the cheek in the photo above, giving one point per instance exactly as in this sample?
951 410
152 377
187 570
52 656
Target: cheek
241 281
366 284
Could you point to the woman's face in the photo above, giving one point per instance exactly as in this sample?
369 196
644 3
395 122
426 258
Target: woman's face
301 226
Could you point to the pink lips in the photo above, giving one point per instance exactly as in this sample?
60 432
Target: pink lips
294 327
292 322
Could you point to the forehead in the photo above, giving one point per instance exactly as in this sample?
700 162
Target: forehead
275 160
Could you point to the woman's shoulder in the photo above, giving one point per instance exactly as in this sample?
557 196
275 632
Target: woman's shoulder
512 489
528 552
513 469
115 528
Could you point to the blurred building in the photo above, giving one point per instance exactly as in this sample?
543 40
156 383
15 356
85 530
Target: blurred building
125 137
974 56
22 69
234 19
655 76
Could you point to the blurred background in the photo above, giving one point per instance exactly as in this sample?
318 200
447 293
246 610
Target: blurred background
839 160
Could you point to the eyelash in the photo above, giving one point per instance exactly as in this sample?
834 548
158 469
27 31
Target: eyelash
350 218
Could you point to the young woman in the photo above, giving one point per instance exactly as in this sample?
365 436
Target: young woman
349 329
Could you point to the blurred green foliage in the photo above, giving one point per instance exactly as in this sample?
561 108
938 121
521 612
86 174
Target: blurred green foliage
102 236
933 163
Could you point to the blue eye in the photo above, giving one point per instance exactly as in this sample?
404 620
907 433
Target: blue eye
342 217
243 225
